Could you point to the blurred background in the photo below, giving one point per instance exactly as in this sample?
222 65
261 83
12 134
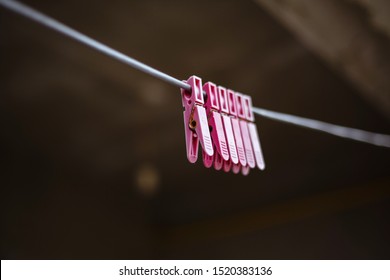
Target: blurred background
93 153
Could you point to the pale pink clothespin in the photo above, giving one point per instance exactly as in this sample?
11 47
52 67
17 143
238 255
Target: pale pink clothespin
195 120
245 134
216 127
224 109
236 131
247 103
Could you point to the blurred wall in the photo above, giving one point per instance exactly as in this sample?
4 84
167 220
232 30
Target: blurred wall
93 152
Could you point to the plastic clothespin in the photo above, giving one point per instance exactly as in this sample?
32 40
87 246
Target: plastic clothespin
245 134
224 109
247 103
236 131
216 127
195 120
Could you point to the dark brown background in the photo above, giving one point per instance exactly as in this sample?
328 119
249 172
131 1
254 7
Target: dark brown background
93 152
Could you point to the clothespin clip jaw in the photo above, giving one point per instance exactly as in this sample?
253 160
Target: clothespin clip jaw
248 111
195 120
216 127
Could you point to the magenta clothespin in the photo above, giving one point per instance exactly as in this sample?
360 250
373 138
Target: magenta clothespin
195 120
216 127
245 131
224 109
247 103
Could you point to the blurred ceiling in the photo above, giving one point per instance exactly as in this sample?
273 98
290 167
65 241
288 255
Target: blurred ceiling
93 152
352 36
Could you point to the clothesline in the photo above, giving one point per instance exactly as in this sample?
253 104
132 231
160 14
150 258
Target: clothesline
337 130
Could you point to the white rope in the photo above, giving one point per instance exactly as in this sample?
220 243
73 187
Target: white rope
337 130
67 31
341 131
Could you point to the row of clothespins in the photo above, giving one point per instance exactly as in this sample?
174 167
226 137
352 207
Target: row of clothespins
223 122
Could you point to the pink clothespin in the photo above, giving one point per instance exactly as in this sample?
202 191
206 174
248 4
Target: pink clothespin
216 127
195 120
223 122
236 131
247 103
224 109
245 133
